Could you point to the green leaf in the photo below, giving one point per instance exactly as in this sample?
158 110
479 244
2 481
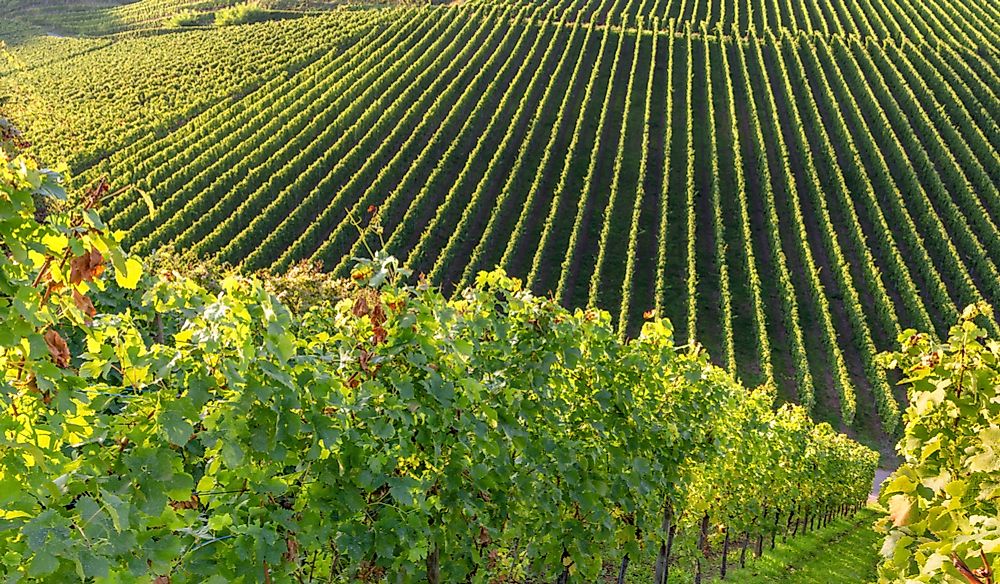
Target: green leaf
219 522
988 460
383 428
417 551
463 347
175 427
94 566
400 489
117 509
232 454
43 564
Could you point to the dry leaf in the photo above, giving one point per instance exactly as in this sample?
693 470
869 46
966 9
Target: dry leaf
380 335
292 545
484 538
360 307
192 503
84 304
57 348
86 267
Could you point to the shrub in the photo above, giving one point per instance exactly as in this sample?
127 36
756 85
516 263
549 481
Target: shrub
184 18
244 13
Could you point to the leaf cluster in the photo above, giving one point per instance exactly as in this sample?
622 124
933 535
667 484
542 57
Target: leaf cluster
943 523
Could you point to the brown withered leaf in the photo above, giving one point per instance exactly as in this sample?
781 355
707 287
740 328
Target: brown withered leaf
57 348
292 547
484 538
369 572
83 302
86 267
378 312
379 334
162 580
192 503
360 307
53 286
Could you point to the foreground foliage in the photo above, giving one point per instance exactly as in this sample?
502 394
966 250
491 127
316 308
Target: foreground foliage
172 432
944 523
792 184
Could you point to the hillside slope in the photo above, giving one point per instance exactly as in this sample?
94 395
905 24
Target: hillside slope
101 18
793 189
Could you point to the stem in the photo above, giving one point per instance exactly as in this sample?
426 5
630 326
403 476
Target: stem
703 537
158 323
760 537
564 577
774 532
434 566
662 560
725 553
964 570
622 570
702 541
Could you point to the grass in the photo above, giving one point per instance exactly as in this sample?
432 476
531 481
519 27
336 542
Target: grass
845 552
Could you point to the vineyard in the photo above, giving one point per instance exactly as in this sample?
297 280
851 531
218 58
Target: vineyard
793 184
157 430
116 17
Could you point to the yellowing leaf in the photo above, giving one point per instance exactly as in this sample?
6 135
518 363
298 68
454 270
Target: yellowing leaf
988 460
900 507
956 488
899 484
55 242
129 276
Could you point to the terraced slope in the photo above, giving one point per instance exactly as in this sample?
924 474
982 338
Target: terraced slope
102 18
972 23
95 18
98 95
792 195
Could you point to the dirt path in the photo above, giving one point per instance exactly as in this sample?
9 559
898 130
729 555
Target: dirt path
880 476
